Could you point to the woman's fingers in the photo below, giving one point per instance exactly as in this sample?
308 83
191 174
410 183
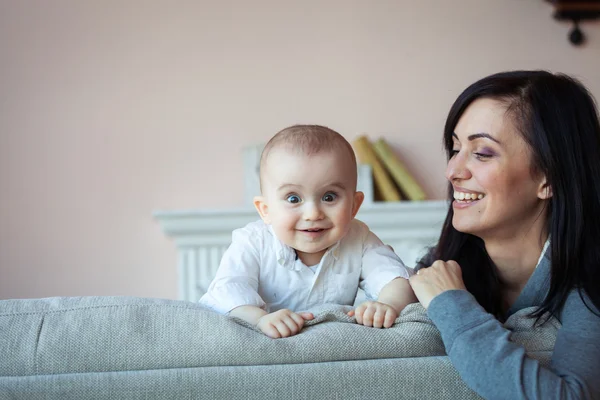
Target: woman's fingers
438 278
454 267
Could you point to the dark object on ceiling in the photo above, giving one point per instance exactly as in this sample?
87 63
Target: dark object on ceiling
576 11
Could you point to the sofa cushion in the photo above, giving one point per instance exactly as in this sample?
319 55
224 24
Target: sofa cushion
100 334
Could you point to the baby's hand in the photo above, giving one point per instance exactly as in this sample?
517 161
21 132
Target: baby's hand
375 314
283 323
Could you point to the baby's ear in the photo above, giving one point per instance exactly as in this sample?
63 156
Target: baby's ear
358 200
263 209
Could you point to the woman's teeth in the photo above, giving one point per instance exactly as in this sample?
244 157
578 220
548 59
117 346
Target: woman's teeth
468 196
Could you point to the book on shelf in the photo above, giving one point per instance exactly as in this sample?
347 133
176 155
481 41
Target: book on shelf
407 184
384 186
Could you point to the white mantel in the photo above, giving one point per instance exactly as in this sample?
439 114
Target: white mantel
201 236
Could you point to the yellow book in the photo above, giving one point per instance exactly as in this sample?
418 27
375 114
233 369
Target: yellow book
382 181
405 181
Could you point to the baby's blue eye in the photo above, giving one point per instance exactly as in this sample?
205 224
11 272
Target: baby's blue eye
329 197
294 199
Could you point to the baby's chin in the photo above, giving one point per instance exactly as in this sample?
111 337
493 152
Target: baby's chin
311 251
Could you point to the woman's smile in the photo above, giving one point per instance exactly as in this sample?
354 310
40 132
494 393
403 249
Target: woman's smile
466 199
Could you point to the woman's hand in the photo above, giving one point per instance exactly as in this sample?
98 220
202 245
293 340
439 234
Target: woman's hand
432 281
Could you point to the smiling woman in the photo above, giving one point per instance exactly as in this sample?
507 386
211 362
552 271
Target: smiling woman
490 172
523 150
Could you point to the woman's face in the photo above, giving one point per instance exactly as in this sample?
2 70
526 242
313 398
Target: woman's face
496 194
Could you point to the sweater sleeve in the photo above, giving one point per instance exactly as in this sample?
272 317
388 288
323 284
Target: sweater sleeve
496 368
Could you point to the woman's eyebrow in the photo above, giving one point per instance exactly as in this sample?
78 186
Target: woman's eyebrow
478 136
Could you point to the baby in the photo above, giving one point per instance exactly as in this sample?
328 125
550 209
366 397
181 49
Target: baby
308 249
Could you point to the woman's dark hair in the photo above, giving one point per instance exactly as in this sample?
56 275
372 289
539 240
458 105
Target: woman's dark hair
558 119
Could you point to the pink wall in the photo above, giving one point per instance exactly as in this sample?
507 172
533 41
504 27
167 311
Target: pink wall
110 110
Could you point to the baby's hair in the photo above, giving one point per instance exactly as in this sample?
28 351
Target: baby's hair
309 140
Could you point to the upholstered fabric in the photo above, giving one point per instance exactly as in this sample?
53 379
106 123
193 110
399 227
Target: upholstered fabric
123 347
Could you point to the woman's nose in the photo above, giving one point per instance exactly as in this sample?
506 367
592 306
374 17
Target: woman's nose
457 168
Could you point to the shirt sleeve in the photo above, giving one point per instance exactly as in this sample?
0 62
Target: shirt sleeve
496 368
236 281
380 265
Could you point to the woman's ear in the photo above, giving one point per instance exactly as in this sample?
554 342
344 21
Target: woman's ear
263 209
359 197
545 190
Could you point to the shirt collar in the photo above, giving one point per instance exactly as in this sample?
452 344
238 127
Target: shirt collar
286 256
335 250
544 252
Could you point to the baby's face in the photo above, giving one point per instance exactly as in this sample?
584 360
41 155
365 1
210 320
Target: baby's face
309 200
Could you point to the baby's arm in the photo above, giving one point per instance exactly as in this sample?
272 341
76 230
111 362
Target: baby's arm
234 291
278 324
237 279
383 275
397 293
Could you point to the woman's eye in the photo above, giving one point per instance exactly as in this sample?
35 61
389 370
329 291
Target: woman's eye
483 155
329 197
294 199
453 153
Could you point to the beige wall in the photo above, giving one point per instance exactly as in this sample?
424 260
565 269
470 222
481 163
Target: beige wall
110 110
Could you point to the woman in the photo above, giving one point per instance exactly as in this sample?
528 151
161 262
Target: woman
523 230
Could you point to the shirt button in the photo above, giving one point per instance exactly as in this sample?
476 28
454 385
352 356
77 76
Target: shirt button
281 261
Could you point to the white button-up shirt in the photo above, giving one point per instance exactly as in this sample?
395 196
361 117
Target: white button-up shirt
259 270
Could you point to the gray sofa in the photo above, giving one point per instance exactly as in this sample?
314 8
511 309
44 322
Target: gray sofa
139 348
